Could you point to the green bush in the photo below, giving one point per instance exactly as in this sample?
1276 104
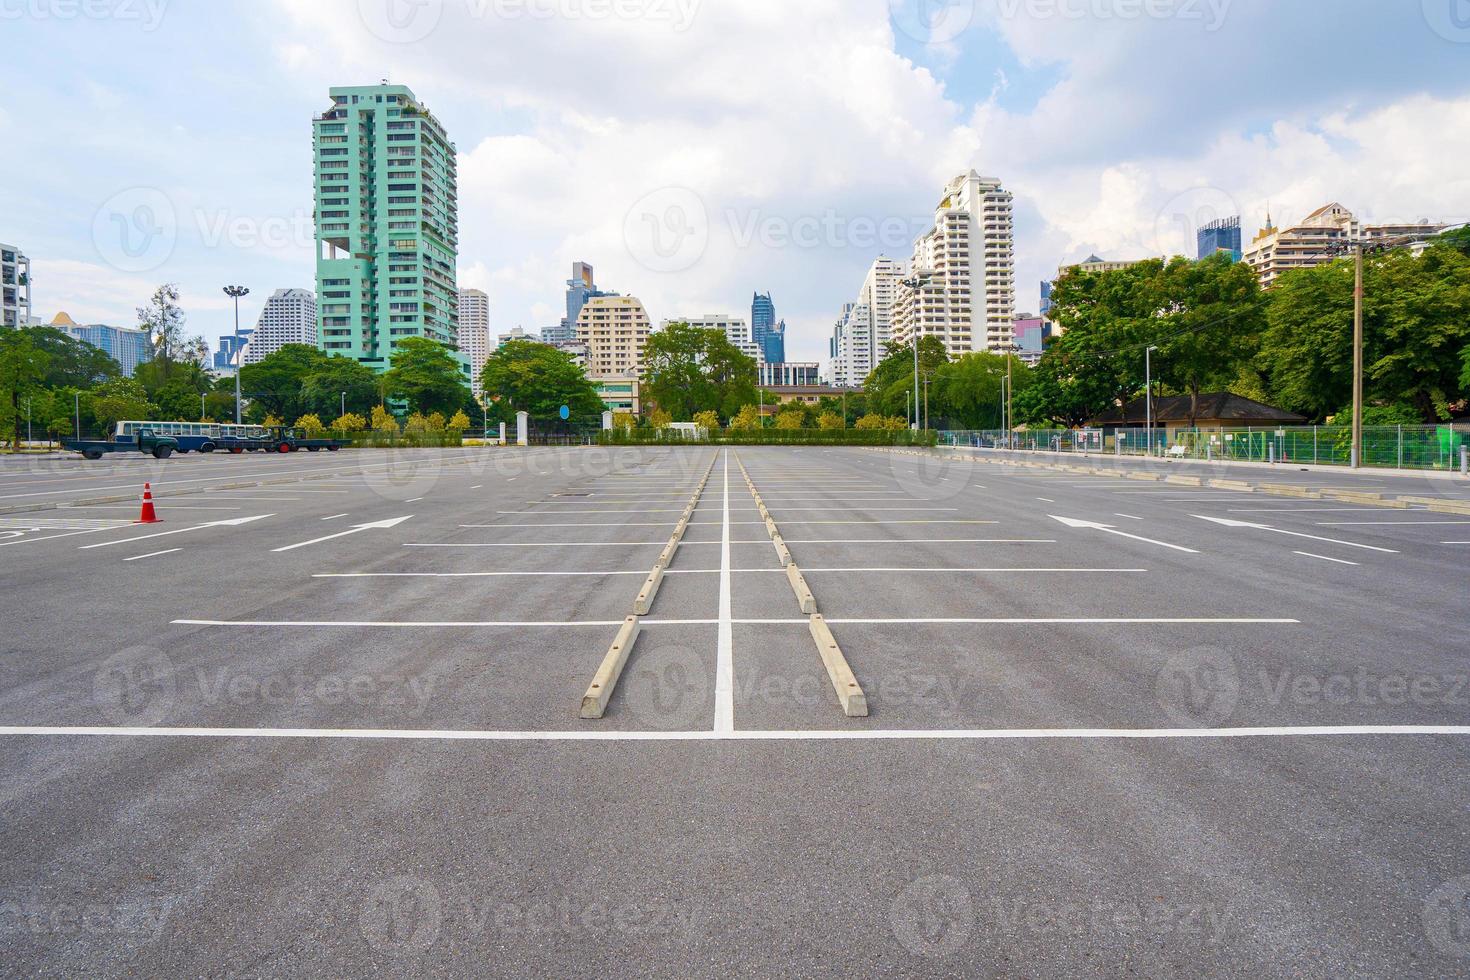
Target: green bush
774 437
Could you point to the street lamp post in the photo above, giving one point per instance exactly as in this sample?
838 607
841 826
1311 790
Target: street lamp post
1148 400
235 292
918 282
344 405
201 406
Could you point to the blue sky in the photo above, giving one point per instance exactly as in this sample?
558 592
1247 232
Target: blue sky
169 140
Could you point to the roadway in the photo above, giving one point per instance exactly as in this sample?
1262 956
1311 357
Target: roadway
329 724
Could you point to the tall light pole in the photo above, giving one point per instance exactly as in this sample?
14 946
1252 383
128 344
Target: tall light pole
916 283
1148 402
235 292
344 405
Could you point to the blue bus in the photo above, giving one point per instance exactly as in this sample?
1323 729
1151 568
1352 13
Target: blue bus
198 437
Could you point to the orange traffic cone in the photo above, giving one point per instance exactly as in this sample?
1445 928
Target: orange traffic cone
147 516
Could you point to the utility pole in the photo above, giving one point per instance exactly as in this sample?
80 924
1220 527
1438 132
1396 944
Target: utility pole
1148 402
1359 246
1357 452
235 292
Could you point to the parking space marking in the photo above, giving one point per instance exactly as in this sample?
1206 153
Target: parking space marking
1308 554
1129 516
742 735
1383 523
153 554
725 651
333 517
228 522
1108 529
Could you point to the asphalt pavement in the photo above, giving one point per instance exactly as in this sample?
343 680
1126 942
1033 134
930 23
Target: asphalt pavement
323 719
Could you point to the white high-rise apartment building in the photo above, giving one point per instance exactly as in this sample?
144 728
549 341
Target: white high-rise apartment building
969 257
865 327
15 287
289 317
474 332
735 328
851 349
1302 246
614 330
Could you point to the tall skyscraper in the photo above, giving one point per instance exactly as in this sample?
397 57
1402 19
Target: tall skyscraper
580 288
969 258
387 225
15 287
1220 235
614 330
227 358
474 332
768 333
128 346
288 317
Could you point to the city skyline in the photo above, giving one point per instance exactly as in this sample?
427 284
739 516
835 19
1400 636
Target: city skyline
543 184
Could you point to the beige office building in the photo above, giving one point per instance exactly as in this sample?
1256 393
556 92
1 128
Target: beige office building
969 257
614 330
1308 243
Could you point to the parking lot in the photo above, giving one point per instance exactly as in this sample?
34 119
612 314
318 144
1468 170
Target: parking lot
325 718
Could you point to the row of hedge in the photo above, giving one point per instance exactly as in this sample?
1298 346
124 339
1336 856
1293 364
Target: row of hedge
769 437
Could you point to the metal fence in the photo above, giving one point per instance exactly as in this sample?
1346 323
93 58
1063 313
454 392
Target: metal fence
1425 447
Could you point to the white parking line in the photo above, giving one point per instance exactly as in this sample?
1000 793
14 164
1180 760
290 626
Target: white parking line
153 554
741 735
1047 500
1308 554
1382 523
725 644
1129 516
333 517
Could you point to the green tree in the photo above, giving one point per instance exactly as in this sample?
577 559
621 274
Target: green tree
890 385
1416 334
693 369
326 380
273 385
538 379
119 400
70 362
660 418
163 319
426 374
967 391
22 371
1209 325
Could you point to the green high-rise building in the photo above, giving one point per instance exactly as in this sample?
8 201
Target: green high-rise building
387 225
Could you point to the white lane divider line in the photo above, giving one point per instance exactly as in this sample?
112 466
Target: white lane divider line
744 735
725 658
1129 516
1308 554
333 517
1046 500
1227 522
153 554
413 500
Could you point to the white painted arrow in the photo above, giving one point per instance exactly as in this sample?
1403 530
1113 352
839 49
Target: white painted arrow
1096 526
232 522
1227 522
390 522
